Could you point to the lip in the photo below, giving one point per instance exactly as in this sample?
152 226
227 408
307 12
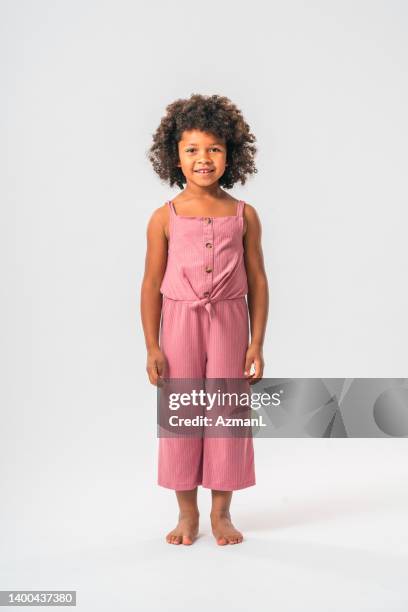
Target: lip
204 171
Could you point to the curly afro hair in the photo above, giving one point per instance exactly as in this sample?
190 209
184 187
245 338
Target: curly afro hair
212 114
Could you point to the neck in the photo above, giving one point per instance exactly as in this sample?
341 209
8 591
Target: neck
202 193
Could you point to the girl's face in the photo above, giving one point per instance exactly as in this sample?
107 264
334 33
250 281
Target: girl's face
202 151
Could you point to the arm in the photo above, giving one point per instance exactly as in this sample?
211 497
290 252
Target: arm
151 298
258 293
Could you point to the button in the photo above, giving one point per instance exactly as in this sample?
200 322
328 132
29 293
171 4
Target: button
206 293
209 245
208 269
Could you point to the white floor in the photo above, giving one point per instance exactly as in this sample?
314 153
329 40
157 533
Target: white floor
325 529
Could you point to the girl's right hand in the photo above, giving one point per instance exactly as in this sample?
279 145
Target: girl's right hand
155 366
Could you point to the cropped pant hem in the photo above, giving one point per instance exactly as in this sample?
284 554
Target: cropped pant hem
229 487
213 486
178 487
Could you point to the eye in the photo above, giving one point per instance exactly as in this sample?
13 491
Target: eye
190 149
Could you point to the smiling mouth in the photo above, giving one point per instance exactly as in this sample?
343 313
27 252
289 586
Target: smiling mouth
204 171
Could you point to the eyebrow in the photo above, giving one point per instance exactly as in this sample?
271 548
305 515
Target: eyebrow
211 145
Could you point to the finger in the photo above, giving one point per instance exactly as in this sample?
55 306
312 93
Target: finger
248 364
258 368
257 376
161 372
152 374
160 368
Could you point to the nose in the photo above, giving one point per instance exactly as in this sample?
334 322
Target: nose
204 156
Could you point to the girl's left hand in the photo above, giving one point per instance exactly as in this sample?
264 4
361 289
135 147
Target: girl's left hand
254 355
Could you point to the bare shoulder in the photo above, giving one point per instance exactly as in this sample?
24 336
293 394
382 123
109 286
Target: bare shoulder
158 221
251 218
161 212
250 211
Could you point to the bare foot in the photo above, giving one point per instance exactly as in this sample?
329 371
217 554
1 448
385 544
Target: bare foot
223 530
186 530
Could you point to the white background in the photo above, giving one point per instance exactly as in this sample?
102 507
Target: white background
83 87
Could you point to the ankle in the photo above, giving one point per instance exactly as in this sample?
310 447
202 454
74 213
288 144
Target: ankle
217 514
189 513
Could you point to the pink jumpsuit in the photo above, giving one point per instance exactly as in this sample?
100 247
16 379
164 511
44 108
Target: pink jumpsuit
204 334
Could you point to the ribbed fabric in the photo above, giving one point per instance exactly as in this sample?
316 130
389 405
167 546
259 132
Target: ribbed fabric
205 260
197 345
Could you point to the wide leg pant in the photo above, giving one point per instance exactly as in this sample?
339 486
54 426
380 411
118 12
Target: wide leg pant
196 346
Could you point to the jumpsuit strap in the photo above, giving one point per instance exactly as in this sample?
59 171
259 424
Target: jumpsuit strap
171 206
240 208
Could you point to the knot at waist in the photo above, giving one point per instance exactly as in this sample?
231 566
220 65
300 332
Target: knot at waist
207 303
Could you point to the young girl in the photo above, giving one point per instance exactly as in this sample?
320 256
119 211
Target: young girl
203 257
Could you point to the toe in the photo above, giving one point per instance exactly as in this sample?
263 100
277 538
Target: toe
222 541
